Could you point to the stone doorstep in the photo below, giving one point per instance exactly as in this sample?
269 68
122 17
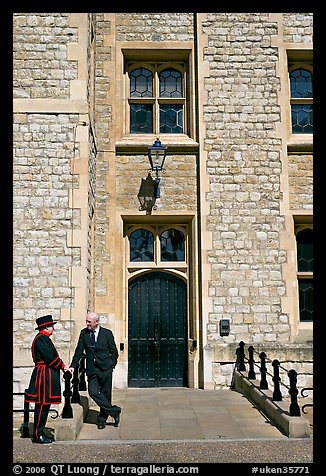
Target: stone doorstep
67 429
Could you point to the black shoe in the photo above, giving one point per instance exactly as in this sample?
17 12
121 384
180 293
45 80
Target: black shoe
49 437
42 440
101 425
117 418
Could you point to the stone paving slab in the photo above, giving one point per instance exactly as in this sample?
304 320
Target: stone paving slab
180 414
177 414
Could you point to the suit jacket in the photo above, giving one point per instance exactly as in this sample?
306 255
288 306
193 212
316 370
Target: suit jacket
103 356
45 385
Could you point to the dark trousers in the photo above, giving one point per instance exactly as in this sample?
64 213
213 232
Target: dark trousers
100 390
41 412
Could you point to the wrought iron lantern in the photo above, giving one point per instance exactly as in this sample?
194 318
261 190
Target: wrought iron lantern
149 190
156 155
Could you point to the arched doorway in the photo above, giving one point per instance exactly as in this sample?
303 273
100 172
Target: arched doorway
157 331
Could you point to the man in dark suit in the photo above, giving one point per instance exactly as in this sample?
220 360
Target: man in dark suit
44 386
101 358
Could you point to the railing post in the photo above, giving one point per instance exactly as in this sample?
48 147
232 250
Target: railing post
67 409
240 365
25 426
82 373
251 361
277 395
75 384
294 407
263 382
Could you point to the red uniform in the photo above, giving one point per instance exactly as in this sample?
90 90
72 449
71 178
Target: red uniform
44 386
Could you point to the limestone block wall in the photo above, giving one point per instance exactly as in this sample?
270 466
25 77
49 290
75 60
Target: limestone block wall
301 181
297 27
119 178
242 116
70 186
42 181
103 118
50 173
243 163
154 26
178 183
41 68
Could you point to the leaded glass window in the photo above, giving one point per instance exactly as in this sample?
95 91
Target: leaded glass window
171 114
141 245
305 250
305 273
172 245
305 299
141 118
141 83
171 118
157 99
301 101
170 84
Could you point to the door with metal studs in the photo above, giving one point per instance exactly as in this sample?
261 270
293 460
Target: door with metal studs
157 331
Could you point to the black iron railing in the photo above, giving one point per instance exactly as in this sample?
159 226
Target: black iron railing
70 393
303 390
73 384
240 365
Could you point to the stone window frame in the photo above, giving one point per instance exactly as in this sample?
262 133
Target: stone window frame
157 264
307 275
171 56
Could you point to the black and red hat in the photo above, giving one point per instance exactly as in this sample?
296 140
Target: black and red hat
45 321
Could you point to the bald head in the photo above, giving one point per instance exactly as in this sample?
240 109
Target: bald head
93 316
92 320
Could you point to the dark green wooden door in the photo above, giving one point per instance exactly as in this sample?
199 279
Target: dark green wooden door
157 333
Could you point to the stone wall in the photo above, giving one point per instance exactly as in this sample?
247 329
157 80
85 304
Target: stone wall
154 26
301 181
41 68
43 149
298 28
244 172
240 151
46 144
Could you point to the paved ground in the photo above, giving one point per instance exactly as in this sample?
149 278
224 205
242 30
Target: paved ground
161 425
180 413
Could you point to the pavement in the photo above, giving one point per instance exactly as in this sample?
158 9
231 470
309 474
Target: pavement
173 425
